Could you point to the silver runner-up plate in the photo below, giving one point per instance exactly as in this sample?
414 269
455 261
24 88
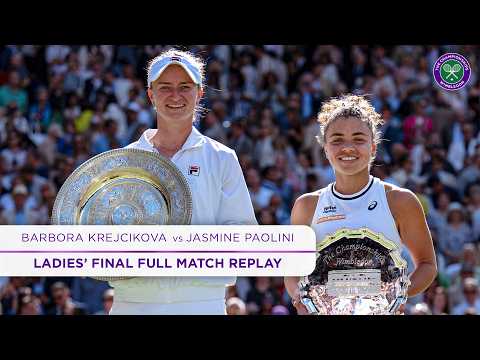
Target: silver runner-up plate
358 272
124 187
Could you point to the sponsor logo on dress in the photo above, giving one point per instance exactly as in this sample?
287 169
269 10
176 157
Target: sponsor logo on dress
329 209
194 170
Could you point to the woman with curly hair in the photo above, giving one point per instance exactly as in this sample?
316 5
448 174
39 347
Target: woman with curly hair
349 135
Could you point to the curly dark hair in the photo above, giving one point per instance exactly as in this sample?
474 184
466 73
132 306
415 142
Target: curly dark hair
349 106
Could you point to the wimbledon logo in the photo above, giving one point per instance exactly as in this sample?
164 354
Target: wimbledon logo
451 71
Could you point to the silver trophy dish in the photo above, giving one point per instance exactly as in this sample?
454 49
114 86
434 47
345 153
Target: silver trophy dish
358 272
124 187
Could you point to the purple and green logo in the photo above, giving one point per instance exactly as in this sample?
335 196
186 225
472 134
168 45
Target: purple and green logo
451 71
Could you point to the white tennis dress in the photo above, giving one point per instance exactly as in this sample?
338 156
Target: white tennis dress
367 208
220 197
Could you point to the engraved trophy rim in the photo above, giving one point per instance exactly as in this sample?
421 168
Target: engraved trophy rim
95 174
355 279
97 182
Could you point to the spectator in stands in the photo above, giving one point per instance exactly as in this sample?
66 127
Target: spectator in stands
472 298
107 302
417 126
29 305
63 304
13 92
440 305
456 234
20 213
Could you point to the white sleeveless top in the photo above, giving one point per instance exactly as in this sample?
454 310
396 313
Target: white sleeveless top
367 208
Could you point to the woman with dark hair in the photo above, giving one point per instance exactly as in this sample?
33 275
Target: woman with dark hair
357 200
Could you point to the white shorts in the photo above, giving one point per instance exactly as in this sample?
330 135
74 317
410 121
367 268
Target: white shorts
207 307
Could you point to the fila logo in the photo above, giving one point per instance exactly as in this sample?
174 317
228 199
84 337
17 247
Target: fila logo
194 170
373 205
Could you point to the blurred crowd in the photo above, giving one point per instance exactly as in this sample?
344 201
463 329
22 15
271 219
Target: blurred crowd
60 105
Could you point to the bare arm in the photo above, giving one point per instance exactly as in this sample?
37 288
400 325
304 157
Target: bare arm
415 235
302 214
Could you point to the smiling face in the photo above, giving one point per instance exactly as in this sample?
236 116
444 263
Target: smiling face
349 145
175 95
